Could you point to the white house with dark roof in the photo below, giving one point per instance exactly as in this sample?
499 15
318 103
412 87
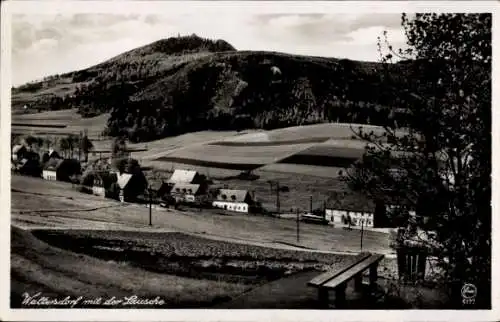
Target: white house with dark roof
350 209
51 168
186 192
233 200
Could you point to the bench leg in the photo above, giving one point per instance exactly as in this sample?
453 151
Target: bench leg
323 297
373 274
340 296
358 283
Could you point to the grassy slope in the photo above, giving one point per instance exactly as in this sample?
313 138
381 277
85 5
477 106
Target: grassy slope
245 227
36 266
73 121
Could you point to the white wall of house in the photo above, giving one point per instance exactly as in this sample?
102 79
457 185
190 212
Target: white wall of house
98 191
49 175
231 206
185 197
358 218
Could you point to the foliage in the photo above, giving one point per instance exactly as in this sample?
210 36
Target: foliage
187 84
86 146
118 148
445 176
68 144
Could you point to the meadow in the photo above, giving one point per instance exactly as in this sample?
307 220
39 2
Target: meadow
58 123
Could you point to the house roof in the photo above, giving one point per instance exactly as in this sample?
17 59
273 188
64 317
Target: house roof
23 161
351 202
185 176
156 184
123 179
190 188
18 147
239 195
52 151
52 164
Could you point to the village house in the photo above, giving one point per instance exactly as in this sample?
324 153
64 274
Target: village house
50 169
233 200
131 185
350 210
350 217
61 169
186 176
98 187
98 183
160 189
186 192
28 166
355 209
18 152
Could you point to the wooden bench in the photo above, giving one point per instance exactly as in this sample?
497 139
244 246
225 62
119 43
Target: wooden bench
337 279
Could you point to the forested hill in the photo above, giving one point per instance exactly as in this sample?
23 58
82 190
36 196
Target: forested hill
186 84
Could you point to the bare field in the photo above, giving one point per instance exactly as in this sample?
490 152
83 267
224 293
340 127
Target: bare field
317 131
60 115
302 169
236 142
237 154
163 147
313 133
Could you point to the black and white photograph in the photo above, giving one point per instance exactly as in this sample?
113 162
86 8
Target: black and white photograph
314 157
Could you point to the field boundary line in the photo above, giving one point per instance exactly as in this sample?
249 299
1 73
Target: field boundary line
21 212
54 195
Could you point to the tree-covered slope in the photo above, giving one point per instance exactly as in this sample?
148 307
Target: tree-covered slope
189 83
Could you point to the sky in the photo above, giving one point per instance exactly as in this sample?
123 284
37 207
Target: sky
48 44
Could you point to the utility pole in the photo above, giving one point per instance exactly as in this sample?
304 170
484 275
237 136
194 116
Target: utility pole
150 205
362 230
311 204
271 184
298 224
278 196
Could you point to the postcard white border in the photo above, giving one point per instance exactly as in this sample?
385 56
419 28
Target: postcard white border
209 7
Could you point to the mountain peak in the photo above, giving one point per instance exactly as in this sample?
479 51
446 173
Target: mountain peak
186 44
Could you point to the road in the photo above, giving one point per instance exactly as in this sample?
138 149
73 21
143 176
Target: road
37 203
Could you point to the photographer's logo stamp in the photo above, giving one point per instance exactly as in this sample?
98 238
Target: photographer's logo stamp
469 292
